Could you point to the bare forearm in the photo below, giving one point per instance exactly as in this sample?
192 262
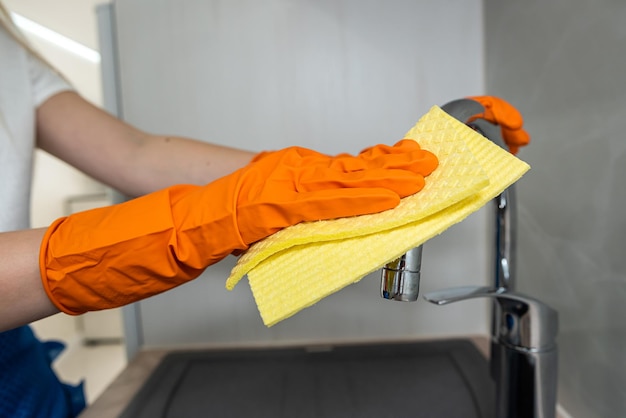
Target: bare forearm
162 161
124 157
22 299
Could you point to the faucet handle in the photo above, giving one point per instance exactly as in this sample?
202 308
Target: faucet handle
520 321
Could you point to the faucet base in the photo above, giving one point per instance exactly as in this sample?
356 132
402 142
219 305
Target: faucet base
527 382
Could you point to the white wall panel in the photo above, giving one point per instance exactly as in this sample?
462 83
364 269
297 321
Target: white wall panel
334 75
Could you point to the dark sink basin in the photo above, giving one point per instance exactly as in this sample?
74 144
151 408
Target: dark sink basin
441 379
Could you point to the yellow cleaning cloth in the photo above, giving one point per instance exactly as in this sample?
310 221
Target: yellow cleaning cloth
298 266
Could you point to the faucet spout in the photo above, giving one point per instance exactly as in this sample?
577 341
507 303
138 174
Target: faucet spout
401 278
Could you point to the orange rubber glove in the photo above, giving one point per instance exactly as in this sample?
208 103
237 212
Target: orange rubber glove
112 256
502 113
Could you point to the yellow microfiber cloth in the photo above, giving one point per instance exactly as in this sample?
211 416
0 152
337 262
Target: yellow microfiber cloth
298 266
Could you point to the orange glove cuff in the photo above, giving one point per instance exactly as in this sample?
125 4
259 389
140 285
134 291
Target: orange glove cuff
112 256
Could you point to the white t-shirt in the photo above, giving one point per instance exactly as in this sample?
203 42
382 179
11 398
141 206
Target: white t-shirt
25 83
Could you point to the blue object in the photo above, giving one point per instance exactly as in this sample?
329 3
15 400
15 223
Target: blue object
29 388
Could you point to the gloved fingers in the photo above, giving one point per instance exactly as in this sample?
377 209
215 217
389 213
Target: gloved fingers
515 137
513 149
418 161
401 181
500 112
295 185
400 147
403 146
505 115
406 155
309 207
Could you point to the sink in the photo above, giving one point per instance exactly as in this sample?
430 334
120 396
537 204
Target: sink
448 378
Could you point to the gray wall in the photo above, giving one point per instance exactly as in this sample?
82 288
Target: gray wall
563 64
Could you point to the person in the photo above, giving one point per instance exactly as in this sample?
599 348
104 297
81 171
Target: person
193 204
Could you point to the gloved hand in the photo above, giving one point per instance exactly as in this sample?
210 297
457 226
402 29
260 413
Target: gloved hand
112 256
502 113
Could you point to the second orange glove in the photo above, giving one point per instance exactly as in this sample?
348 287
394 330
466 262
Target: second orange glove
112 256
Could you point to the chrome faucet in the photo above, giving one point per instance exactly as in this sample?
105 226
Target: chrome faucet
401 278
523 357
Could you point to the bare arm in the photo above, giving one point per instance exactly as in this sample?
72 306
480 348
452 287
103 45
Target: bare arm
114 153
109 257
123 157
22 298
